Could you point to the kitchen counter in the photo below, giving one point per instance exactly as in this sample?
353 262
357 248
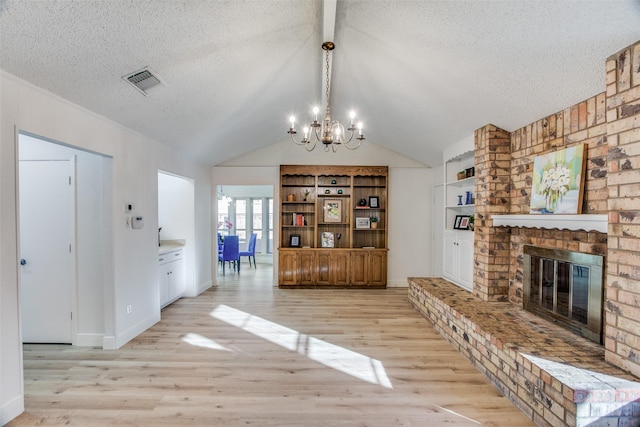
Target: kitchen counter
170 245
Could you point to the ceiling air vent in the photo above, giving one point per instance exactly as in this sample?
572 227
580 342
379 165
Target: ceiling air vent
143 80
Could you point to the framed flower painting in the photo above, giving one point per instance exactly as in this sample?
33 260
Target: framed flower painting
558 181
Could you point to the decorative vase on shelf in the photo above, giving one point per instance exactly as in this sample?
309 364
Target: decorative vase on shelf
459 199
469 199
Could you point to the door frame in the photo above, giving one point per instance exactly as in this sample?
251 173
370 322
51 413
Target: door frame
105 338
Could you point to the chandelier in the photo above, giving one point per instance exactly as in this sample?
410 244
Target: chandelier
330 132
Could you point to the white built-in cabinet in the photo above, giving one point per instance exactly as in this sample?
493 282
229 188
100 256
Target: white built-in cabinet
458 258
458 207
171 282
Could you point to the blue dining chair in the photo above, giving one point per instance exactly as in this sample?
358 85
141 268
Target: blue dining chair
230 253
251 249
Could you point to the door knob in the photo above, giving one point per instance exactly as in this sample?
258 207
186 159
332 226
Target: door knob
23 261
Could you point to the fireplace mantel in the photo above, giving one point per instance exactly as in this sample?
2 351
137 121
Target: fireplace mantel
586 222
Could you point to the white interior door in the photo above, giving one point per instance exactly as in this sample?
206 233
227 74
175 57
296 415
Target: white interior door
46 250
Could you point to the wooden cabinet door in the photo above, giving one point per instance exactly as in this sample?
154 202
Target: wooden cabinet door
305 272
359 268
287 268
324 268
377 268
340 267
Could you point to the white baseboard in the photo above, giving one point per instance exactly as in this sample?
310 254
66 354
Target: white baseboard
109 342
204 286
398 283
137 329
11 409
89 340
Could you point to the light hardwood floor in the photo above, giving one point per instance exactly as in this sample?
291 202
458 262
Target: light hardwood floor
245 353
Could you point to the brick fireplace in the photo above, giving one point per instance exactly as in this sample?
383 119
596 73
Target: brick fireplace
609 125
551 374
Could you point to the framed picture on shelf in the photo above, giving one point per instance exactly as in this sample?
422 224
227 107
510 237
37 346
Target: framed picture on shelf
327 239
462 222
374 202
332 210
362 223
294 241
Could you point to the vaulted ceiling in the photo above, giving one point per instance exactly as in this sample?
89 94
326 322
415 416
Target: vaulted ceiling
421 75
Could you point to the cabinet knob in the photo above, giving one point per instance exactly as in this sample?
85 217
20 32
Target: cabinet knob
23 261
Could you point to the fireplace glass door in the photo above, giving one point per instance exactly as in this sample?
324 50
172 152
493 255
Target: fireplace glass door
565 287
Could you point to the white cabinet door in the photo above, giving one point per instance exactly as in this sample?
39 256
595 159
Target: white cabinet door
465 259
176 283
450 256
457 265
164 274
171 283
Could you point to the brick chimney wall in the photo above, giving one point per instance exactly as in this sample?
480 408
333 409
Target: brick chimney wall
583 123
622 298
491 245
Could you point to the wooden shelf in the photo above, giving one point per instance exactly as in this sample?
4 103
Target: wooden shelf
312 264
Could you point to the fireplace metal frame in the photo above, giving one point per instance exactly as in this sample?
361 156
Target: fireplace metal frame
593 330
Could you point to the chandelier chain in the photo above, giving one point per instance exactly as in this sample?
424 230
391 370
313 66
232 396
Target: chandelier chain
327 65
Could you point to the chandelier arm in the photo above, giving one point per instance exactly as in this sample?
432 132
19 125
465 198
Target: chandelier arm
310 146
346 144
293 138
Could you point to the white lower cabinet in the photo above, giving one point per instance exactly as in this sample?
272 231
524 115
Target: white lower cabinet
171 282
458 258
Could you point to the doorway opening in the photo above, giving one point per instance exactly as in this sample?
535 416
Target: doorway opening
67 256
246 210
176 221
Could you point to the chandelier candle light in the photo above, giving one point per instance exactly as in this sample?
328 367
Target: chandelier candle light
330 132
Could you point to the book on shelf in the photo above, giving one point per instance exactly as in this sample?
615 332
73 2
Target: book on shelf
368 247
363 207
298 220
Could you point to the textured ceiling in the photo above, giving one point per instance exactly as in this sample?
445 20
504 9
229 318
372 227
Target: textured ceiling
421 74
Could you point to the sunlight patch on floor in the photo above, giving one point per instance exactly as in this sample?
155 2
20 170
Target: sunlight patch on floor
339 358
200 341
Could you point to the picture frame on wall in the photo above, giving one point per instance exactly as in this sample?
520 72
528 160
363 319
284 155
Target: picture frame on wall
558 181
374 202
327 239
363 223
294 241
332 210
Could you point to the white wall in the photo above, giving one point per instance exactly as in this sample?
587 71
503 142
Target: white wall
410 186
409 224
131 275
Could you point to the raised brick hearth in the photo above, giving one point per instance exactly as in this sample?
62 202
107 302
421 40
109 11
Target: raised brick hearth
554 377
